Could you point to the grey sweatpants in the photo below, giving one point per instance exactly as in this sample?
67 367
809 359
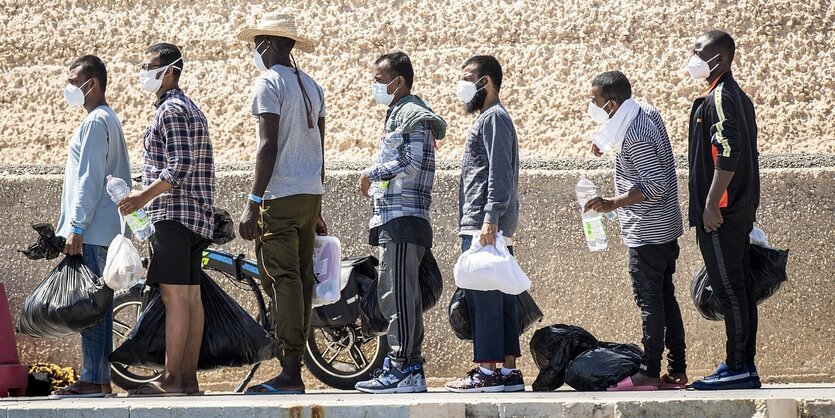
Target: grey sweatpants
400 300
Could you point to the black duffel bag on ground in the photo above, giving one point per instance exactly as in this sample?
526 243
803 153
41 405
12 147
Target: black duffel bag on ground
459 314
768 273
69 300
231 338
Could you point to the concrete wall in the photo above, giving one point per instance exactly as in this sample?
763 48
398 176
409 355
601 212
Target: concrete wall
550 51
571 285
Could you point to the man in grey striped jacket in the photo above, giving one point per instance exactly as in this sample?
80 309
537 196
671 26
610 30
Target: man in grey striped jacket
650 219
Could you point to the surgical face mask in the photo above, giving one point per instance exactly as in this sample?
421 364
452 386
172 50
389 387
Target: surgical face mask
380 93
466 90
699 68
258 59
74 95
599 114
151 80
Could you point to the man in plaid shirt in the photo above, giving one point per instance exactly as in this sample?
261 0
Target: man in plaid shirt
178 179
403 180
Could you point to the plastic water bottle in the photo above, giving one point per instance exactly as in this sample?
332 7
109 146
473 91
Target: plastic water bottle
593 225
138 221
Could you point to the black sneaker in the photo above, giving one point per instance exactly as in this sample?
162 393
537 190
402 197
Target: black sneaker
477 381
513 382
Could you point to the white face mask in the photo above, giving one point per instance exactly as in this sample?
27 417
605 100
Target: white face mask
74 95
380 93
258 59
151 80
699 68
599 114
466 90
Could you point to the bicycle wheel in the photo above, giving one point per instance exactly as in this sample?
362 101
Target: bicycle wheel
340 357
128 304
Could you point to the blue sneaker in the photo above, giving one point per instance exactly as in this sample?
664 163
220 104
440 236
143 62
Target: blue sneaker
725 378
755 377
418 377
393 380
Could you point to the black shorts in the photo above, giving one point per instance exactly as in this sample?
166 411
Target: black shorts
176 255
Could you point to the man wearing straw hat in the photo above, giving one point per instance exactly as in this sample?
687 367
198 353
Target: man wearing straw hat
283 210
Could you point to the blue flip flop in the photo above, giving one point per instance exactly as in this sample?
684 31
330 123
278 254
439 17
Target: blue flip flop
272 391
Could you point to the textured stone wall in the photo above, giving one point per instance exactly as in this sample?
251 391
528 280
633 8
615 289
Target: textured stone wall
550 51
571 285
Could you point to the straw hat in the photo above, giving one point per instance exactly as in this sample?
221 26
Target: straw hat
277 24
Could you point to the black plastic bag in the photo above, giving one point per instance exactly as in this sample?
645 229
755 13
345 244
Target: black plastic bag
599 368
768 273
231 338
431 281
553 348
373 322
47 246
69 300
768 270
224 230
459 314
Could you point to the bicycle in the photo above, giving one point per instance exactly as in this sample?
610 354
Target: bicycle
337 352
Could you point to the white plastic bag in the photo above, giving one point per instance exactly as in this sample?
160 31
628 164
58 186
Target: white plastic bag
327 282
758 237
490 268
123 267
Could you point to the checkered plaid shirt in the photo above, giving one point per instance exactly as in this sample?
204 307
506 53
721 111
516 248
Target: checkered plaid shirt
178 151
409 192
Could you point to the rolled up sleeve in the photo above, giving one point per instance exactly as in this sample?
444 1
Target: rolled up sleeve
178 149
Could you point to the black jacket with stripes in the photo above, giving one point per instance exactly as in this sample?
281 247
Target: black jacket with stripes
723 135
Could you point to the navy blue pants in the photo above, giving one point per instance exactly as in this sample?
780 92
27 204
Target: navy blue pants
494 320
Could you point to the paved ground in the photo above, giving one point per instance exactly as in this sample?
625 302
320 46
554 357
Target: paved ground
773 401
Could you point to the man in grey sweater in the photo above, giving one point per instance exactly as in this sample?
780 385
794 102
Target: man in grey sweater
488 203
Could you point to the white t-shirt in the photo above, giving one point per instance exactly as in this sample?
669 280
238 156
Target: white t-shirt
298 164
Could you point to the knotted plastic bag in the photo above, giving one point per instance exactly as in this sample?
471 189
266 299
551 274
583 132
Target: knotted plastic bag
490 267
123 267
69 300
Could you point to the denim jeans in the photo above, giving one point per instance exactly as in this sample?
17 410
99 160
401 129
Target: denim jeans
494 321
96 341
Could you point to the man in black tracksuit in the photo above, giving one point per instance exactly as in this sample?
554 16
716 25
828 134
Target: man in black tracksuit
724 195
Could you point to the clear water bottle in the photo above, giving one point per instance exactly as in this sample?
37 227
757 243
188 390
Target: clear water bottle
138 221
593 225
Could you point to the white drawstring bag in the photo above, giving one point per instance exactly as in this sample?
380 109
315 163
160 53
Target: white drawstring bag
327 273
490 267
123 267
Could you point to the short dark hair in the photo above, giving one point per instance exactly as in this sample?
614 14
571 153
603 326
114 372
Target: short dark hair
92 67
613 86
487 65
722 41
168 53
399 64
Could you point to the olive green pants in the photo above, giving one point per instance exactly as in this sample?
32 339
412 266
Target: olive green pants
285 259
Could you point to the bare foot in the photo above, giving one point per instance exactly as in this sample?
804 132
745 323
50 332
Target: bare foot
156 388
642 380
82 388
675 378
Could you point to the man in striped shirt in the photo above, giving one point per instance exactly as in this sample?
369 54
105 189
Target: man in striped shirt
647 204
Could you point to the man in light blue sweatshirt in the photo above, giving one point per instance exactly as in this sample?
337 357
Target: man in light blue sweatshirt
89 219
